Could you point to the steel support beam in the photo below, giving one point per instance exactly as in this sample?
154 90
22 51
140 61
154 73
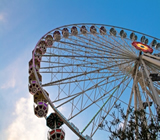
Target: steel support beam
155 94
151 60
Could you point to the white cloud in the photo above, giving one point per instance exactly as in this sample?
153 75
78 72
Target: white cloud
9 75
10 84
26 126
14 74
3 17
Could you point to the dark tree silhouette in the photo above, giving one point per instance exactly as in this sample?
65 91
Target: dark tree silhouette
139 127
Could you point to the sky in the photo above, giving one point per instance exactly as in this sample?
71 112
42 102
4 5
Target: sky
24 22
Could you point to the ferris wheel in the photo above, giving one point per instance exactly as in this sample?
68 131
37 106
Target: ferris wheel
81 71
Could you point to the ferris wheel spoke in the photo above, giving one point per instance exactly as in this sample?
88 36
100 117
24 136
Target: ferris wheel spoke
73 72
53 69
95 58
108 77
84 91
54 55
83 61
104 83
67 65
76 50
92 40
110 48
118 42
106 113
100 96
118 45
95 102
128 46
104 45
76 64
89 79
80 80
95 49
116 88
90 88
85 73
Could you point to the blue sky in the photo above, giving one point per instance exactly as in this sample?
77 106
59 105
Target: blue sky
22 23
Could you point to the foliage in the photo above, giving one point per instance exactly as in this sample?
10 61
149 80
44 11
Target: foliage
138 126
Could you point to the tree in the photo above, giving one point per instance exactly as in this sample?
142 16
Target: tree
137 128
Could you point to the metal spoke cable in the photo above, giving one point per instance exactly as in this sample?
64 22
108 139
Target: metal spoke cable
104 103
119 45
88 47
51 83
95 102
117 98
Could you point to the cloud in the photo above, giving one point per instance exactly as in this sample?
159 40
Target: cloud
10 84
23 123
26 125
15 73
10 76
3 17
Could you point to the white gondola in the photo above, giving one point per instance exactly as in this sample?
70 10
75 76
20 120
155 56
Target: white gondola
74 31
41 109
42 46
158 46
113 32
33 88
36 65
123 34
143 38
39 96
53 121
146 41
38 54
93 29
49 40
133 36
154 43
102 30
57 36
83 30
65 32
56 134
33 80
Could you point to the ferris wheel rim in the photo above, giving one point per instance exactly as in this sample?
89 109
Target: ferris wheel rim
96 24
81 24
